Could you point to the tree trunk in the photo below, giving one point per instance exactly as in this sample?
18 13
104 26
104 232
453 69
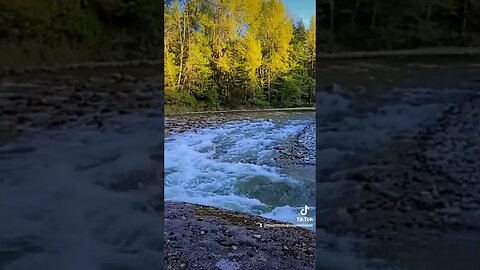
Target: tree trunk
332 16
465 17
355 11
182 48
429 12
268 91
374 17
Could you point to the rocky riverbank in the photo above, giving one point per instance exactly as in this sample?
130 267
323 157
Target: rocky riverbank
202 237
48 100
298 150
431 178
184 123
420 196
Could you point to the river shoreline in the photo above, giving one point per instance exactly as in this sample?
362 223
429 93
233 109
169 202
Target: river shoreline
203 237
427 52
418 195
40 110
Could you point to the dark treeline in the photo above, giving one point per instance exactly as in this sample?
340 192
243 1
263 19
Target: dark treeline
42 32
346 25
236 54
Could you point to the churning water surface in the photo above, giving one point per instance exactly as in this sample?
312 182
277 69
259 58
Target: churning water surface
232 166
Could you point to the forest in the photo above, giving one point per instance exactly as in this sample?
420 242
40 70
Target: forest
226 54
353 25
237 54
48 32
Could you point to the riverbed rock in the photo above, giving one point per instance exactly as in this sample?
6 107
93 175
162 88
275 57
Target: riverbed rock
299 149
255 247
69 96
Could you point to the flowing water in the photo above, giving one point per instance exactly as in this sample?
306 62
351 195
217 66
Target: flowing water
84 198
350 134
232 166
80 198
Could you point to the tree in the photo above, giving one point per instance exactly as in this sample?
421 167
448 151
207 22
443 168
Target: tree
234 53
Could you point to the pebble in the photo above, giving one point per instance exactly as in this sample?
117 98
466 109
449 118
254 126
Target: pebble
451 211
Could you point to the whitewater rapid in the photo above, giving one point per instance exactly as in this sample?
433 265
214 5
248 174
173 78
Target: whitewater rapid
352 133
232 166
81 198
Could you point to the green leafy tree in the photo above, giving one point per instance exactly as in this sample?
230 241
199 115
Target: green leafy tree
234 54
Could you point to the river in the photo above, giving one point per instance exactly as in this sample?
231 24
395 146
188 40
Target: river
81 197
233 166
377 104
87 197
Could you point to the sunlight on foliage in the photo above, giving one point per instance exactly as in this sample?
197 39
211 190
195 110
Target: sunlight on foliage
236 52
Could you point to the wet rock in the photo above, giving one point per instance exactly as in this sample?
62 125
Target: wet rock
453 211
57 122
128 78
116 76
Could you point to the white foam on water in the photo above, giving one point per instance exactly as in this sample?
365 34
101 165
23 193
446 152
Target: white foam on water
56 212
204 167
290 214
364 133
328 103
360 135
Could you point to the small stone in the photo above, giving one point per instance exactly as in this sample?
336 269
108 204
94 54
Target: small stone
285 248
182 265
234 247
426 194
128 78
257 236
451 211
116 76
202 232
